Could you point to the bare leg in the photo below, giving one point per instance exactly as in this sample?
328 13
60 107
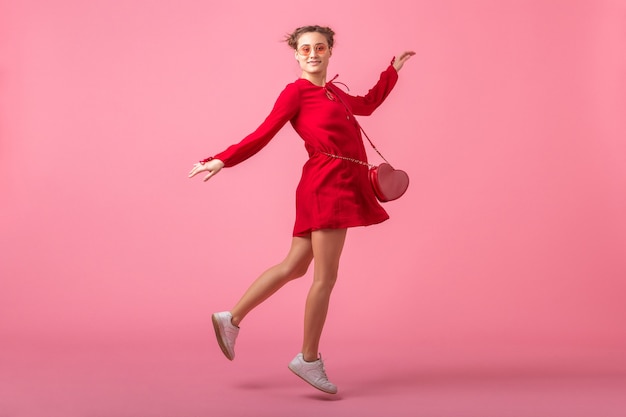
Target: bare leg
293 266
327 246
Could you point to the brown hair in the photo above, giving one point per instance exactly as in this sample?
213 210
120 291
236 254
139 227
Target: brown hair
292 38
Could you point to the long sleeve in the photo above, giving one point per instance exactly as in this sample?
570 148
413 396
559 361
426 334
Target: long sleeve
285 108
365 105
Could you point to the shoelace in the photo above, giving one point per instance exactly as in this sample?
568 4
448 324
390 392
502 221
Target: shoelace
322 370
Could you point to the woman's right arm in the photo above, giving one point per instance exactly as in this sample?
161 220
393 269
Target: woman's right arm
285 108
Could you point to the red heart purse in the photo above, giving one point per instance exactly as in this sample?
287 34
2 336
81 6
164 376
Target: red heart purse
388 183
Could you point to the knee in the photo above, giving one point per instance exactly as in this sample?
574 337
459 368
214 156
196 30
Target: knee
295 270
325 280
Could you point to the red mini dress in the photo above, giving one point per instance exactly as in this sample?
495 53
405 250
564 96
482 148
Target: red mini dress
332 193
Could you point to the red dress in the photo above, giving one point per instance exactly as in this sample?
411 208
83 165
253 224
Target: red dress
332 193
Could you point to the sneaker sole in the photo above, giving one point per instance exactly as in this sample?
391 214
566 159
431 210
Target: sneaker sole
314 386
220 340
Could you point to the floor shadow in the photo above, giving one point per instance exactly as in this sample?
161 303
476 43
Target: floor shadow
283 385
323 396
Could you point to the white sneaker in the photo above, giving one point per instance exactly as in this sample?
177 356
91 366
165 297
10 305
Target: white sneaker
313 373
225 332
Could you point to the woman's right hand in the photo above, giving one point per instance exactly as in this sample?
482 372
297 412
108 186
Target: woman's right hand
213 166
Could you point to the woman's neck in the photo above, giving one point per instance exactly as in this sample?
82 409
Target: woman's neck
317 79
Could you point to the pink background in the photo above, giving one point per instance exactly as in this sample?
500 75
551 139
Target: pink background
497 287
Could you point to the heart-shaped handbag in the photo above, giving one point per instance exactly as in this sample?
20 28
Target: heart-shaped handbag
388 183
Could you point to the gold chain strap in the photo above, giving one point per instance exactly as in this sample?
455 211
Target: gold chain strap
345 158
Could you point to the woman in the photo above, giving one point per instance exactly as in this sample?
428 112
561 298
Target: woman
333 194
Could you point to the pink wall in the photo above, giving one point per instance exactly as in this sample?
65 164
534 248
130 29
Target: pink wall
509 121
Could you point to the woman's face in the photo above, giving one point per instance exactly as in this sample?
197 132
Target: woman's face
313 53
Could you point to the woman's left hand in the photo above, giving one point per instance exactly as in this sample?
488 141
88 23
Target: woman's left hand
399 62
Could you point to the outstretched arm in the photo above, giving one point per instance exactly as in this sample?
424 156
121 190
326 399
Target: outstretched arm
399 62
365 105
285 108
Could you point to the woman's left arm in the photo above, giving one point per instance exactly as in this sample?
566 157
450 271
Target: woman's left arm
365 105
